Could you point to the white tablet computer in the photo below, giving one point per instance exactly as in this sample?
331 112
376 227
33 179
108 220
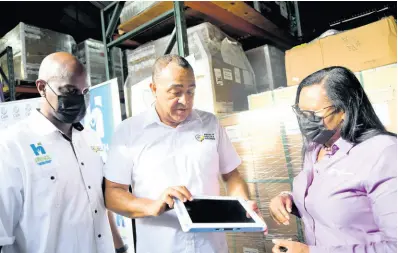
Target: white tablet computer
217 214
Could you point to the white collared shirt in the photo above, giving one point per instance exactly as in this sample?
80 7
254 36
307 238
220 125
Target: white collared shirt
152 156
51 200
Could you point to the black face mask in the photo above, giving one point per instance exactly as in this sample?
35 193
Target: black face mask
315 131
71 108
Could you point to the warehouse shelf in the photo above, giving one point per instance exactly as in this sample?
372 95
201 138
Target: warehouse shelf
239 16
14 86
236 18
26 89
109 19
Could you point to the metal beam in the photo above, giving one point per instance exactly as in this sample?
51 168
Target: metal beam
110 6
3 53
104 40
11 77
140 29
256 5
127 43
181 29
97 4
298 21
115 17
3 75
27 89
171 42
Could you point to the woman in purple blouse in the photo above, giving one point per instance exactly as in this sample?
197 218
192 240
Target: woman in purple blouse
346 194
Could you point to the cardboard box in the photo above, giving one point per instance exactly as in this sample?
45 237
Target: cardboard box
284 97
366 47
302 61
267 151
224 76
363 48
380 85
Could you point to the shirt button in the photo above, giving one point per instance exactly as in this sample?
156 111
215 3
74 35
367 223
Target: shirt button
52 177
95 211
82 164
99 236
89 187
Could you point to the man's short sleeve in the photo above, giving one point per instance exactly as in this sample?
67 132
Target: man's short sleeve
11 197
119 164
228 157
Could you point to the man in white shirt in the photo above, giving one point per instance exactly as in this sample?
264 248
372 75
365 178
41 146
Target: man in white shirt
51 197
170 151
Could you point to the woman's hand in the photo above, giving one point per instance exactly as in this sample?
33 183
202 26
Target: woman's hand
290 247
280 208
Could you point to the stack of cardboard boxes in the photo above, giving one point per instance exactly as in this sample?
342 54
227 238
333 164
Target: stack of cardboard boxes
224 77
269 162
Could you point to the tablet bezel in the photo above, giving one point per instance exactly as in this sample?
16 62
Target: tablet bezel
187 224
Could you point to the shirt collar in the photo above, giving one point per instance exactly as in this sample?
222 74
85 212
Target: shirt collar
43 126
343 145
340 145
152 117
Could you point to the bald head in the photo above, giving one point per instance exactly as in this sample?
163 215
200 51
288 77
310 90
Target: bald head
61 66
162 62
61 76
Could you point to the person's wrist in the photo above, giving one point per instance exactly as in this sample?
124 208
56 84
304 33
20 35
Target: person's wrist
149 210
122 249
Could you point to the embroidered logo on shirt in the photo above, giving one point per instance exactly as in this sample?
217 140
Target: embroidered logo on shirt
202 137
96 149
41 155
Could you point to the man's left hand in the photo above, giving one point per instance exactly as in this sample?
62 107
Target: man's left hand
253 206
292 247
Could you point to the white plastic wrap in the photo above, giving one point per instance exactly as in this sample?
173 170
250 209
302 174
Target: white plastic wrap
30 46
224 76
14 111
91 53
268 63
271 157
133 8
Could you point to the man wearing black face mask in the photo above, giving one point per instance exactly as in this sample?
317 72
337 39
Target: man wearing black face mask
51 175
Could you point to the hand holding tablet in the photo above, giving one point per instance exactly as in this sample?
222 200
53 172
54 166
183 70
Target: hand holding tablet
218 214
167 200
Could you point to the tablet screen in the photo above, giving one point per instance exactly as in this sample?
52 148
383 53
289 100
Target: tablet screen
216 211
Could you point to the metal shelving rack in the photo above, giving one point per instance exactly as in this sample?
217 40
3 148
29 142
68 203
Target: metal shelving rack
14 85
10 80
109 19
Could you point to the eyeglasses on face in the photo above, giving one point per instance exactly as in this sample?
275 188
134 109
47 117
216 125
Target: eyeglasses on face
312 115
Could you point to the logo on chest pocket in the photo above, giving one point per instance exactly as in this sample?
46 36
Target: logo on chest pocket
41 155
202 137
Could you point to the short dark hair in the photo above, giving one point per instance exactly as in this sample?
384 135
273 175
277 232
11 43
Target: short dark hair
165 60
346 93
